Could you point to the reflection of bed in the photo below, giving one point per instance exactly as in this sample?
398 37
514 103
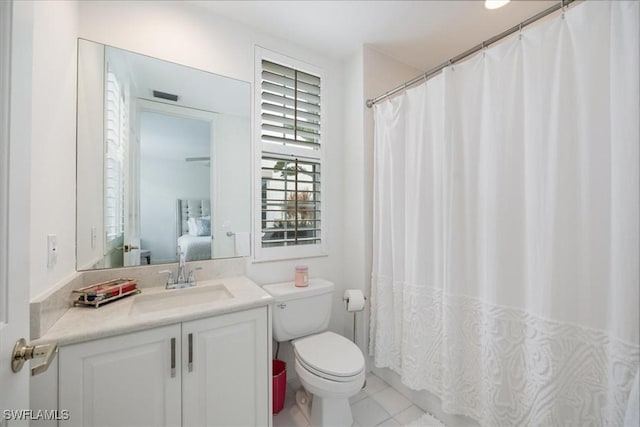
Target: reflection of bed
194 247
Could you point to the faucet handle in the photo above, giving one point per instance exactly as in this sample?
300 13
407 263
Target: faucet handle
192 276
170 280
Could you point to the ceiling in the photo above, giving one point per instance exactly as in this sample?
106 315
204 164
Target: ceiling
419 33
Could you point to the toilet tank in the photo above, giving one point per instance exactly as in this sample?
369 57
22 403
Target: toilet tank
303 311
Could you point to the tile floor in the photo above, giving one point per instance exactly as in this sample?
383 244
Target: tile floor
376 405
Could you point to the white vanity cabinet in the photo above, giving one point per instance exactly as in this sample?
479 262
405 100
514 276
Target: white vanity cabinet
126 380
221 375
227 382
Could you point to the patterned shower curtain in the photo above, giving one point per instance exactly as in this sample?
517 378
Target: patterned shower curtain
506 226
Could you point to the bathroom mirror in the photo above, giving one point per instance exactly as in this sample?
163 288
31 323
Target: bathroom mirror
163 161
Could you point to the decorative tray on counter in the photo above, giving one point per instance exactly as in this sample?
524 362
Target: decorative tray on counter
101 293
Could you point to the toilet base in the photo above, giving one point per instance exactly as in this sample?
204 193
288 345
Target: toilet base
330 404
326 411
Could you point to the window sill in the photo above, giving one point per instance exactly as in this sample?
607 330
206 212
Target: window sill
288 254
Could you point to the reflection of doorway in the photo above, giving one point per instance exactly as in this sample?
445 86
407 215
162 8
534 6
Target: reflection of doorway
175 163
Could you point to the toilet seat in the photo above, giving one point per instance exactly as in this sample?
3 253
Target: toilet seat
330 356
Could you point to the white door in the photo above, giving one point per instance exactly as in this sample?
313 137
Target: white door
16 26
225 380
16 23
132 202
126 380
132 188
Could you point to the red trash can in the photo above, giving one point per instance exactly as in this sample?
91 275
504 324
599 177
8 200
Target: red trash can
279 382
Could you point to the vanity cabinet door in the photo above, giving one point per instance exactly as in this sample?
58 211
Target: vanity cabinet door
125 380
227 382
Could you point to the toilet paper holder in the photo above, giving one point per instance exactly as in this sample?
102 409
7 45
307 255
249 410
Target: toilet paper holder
345 299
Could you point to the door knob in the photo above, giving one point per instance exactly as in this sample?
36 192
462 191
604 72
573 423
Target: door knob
129 248
23 352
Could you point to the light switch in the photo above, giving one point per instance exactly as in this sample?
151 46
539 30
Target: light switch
52 251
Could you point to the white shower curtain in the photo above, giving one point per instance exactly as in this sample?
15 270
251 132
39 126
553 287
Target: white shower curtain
506 226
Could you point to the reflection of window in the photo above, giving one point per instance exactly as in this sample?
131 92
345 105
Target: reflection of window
291 159
116 111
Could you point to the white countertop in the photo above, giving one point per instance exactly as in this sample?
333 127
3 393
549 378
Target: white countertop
80 324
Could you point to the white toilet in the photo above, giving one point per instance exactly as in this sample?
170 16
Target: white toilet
328 365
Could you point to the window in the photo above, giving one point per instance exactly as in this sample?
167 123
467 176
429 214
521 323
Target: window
116 138
292 212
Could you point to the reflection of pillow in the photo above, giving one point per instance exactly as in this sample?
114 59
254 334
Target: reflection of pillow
199 226
204 226
193 227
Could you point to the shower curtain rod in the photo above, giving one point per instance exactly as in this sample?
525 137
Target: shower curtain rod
425 76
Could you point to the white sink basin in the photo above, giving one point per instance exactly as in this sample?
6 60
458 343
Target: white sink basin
179 298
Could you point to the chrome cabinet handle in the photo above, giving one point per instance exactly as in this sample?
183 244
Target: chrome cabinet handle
173 357
23 352
190 364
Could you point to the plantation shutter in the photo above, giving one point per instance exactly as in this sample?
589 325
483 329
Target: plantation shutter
115 143
290 108
291 156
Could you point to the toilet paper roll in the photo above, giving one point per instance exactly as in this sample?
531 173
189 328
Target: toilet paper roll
354 299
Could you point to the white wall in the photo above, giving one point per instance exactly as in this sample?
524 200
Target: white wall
162 182
53 151
165 176
230 208
354 229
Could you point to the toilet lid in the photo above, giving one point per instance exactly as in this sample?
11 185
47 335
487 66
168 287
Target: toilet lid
331 354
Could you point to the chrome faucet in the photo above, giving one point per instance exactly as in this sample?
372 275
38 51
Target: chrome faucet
181 282
191 281
170 283
181 275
